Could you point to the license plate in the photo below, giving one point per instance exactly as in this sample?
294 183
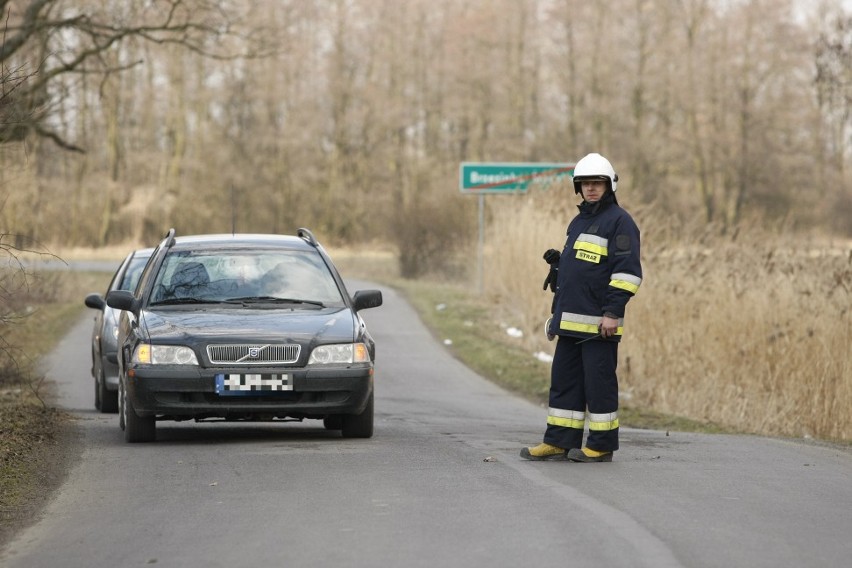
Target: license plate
252 384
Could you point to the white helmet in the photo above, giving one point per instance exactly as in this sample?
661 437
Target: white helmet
594 166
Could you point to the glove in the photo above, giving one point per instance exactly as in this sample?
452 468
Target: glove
551 256
550 280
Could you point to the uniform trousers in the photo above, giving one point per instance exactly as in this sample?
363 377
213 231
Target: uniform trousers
583 378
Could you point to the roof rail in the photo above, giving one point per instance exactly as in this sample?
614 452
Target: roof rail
308 236
170 238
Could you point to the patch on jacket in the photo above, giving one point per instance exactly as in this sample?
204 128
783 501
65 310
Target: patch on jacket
588 256
622 244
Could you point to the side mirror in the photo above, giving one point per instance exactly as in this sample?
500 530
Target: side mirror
364 299
122 300
95 301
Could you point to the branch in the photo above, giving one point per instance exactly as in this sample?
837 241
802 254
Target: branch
58 140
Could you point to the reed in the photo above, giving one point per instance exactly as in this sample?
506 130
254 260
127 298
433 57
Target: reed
750 330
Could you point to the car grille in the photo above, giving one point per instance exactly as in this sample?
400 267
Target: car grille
253 354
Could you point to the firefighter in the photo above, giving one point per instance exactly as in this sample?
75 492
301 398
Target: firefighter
593 278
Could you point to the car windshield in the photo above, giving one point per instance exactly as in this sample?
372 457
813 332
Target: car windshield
246 277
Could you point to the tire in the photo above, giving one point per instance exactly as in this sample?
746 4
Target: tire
121 399
98 399
359 425
136 428
332 422
105 400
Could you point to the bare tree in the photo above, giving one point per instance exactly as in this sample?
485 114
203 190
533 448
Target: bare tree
366 107
833 82
49 39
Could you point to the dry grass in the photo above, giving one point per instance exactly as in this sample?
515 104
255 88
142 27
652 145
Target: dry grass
34 436
751 331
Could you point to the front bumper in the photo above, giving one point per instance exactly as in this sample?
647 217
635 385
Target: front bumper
181 393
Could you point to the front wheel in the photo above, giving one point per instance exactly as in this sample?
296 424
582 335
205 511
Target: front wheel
136 428
333 422
359 425
97 394
105 400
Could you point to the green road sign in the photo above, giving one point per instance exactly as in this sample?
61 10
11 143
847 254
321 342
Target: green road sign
494 177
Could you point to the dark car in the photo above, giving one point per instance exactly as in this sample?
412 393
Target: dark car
244 327
105 330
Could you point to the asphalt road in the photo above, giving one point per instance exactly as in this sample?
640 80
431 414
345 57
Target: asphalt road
439 485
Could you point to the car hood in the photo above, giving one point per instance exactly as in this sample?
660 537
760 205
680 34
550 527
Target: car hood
225 325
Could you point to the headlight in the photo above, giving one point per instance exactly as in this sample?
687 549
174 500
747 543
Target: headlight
339 354
164 355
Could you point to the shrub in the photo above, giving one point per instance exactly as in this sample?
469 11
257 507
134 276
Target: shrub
431 237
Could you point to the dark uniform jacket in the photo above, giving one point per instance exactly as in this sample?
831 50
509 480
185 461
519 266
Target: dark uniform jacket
599 269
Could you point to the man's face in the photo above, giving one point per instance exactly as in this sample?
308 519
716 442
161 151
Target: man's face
593 190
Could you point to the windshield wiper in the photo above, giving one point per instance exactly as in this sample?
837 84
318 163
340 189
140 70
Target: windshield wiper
271 300
175 301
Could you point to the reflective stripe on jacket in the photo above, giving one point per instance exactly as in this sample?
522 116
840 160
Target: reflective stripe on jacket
599 269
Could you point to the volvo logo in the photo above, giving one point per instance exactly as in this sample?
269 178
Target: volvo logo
252 352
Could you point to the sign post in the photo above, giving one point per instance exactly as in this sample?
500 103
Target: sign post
481 178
